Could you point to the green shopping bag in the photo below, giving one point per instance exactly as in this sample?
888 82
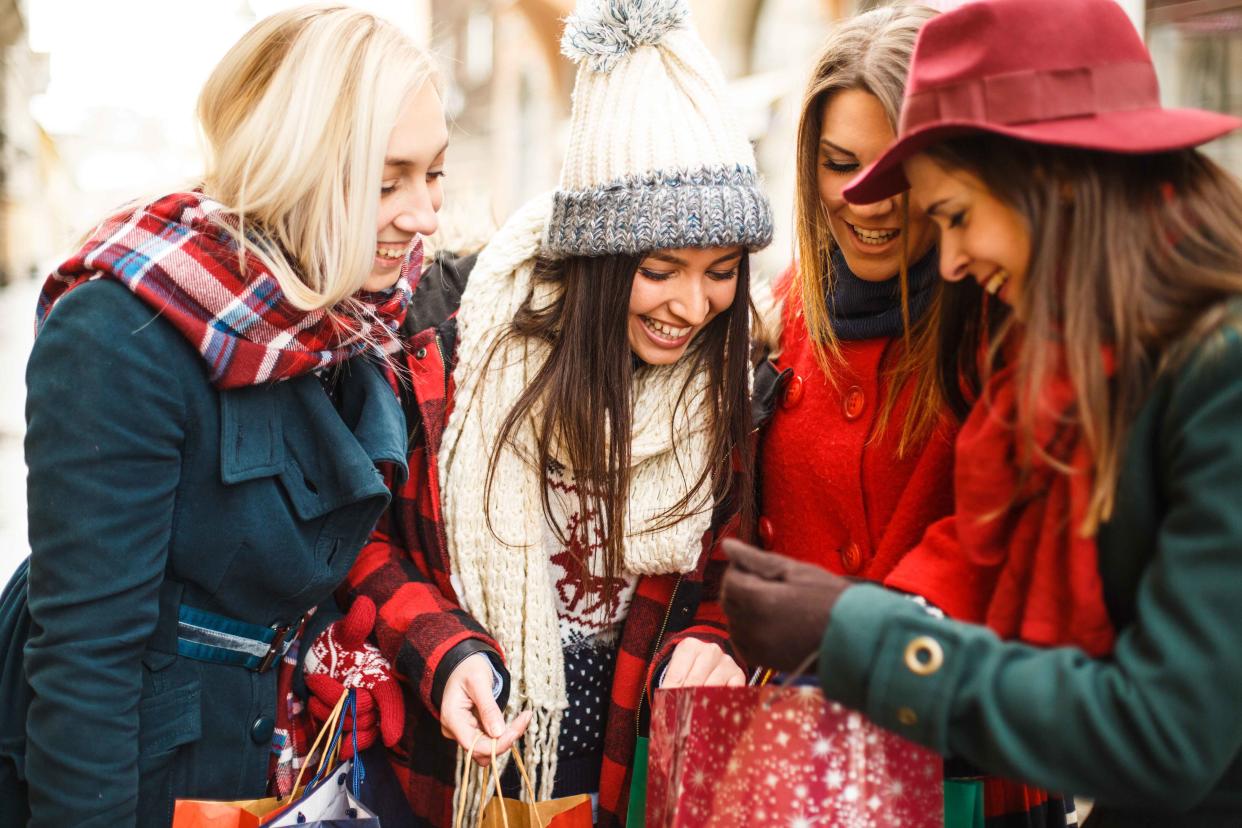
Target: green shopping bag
963 803
636 815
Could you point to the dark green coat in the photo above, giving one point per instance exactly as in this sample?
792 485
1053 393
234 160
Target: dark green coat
1156 728
149 487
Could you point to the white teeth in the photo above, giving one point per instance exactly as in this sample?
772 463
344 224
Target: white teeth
874 236
994 282
666 331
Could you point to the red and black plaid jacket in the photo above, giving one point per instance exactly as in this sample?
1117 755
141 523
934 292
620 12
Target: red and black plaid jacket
405 570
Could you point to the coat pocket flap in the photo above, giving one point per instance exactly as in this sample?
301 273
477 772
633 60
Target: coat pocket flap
251 437
170 719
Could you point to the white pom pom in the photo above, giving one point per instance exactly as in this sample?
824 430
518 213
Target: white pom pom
604 31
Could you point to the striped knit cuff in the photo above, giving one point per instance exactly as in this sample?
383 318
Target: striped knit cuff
717 206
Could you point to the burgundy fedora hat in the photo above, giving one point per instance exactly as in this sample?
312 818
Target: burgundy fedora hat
1072 73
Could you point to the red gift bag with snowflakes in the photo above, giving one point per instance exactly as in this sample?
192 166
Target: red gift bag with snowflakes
740 756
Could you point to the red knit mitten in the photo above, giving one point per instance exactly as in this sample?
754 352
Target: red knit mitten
343 657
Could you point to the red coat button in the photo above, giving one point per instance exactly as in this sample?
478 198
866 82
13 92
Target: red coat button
766 532
855 402
851 558
793 392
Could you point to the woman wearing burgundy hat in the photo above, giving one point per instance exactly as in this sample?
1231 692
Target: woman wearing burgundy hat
1099 256
856 459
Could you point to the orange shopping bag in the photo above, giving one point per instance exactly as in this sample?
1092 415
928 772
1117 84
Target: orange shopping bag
252 813
242 813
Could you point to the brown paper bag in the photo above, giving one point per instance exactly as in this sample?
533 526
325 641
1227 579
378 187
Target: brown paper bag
501 812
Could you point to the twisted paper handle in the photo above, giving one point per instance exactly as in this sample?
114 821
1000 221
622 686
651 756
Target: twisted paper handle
488 773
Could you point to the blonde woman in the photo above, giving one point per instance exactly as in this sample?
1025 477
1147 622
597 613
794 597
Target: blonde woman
208 404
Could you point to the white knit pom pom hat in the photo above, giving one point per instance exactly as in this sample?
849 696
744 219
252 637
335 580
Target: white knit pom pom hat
655 158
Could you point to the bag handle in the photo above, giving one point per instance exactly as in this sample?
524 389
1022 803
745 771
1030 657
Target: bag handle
488 773
331 756
461 783
329 759
530 788
328 725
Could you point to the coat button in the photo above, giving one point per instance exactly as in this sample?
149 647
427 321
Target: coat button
793 392
924 655
851 558
907 716
854 403
767 532
421 353
262 729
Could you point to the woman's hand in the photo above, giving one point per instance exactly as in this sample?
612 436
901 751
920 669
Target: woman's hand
469 713
778 608
342 656
701 664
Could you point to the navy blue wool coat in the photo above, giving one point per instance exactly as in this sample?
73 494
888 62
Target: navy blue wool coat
150 488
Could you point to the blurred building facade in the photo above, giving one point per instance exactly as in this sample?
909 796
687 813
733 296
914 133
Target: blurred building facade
1197 47
508 92
507 89
35 184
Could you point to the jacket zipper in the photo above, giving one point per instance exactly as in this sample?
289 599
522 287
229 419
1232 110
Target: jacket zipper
444 365
638 713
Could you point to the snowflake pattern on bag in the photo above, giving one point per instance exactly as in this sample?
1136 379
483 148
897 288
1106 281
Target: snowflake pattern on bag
740 756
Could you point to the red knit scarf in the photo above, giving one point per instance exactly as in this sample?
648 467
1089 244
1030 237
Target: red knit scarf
1027 532
174 257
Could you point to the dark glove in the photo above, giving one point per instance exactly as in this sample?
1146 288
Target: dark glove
778 608
766 391
343 657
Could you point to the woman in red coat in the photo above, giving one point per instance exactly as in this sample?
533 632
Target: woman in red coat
856 462
858 448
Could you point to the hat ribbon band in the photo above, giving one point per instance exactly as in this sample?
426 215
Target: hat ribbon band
1036 95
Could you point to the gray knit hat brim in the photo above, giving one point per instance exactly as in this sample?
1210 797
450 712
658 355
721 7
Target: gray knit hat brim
719 206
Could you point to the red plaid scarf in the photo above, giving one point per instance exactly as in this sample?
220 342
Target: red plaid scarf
174 257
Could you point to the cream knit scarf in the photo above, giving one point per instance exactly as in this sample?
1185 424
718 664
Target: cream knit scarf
505 582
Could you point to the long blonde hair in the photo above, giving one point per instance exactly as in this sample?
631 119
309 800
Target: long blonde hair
296 119
870 52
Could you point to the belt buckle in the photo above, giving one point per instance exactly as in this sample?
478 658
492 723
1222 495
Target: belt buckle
279 646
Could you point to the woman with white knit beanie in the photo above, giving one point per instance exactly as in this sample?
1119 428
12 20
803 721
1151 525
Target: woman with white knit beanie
594 452
614 306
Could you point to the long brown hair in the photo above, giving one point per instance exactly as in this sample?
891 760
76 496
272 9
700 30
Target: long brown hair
581 396
870 52
1137 254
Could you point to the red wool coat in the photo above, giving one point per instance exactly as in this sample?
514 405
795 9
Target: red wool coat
831 492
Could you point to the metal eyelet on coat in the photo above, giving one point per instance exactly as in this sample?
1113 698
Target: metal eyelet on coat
924 655
421 353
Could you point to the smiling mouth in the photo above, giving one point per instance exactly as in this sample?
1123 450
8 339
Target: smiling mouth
664 331
873 237
993 283
389 251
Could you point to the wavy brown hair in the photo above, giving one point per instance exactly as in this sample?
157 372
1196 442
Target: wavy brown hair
1138 254
581 395
870 52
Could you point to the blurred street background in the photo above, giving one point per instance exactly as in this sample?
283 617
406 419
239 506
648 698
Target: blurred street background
96 108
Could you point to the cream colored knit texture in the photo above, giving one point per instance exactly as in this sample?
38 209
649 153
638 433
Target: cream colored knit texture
660 108
505 581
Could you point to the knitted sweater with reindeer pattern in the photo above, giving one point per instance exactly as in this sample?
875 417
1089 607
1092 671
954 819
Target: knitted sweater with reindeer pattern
421 627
